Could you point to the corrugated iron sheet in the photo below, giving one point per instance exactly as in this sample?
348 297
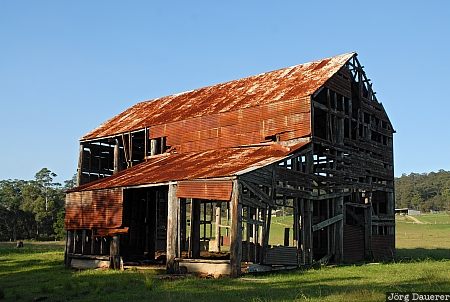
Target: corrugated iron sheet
195 165
206 189
287 84
94 209
254 125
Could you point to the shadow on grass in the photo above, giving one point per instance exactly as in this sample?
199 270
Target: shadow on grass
422 254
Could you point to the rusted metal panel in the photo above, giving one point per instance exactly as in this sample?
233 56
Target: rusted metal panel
242 127
210 189
94 209
293 83
195 165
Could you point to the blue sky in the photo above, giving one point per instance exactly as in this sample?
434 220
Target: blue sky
67 66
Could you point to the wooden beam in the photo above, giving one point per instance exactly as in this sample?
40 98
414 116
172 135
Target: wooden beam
331 195
292 192
172 228
258 192
327 222
236 230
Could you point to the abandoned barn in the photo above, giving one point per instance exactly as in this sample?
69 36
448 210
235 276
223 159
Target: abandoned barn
194 181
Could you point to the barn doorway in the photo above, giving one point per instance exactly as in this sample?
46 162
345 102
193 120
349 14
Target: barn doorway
145 215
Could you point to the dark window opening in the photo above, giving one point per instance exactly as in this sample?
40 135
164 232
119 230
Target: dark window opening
320 123
322 97
346 128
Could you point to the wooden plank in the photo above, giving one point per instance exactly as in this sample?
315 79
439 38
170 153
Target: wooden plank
236 230
327 222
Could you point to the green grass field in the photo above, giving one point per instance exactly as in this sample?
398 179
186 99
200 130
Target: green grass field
36 272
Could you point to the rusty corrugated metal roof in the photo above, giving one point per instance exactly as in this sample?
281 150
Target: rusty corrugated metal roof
195 165
290 83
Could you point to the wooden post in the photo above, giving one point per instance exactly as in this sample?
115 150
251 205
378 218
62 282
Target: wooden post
368 232
236 230
153 147
248 234
172 228
339 230
80 165
308 236
266 233
183 225
303 232
83 242
195 228
286 236
75 233
114 252
218 222
152 198
296 224
68 248
116 161
262 231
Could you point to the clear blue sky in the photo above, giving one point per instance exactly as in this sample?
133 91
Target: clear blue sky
67 66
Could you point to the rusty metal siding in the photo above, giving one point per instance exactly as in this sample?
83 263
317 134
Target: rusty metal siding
242 127
353 244
294 83
210 190
383 247
94 209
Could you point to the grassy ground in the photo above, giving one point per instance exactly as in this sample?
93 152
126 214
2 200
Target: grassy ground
425 239
36 272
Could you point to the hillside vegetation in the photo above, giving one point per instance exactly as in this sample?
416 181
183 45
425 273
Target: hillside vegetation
425 192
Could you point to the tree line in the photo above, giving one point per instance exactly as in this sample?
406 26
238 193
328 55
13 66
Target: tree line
424 192
33 209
